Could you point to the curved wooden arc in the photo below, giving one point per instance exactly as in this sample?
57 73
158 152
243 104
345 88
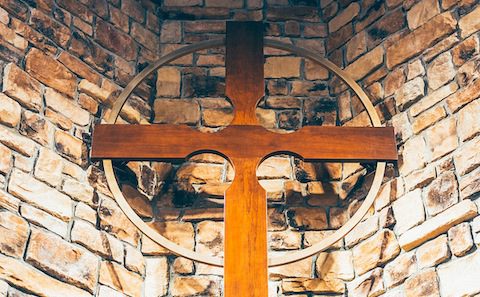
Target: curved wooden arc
286 259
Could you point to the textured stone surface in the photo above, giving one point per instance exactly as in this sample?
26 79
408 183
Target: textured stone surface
428 118
433 252
470 22
115 221
278 67
422 12
410 93
370 284
40 195
374 251
49 167
409 211
15 232
50 72
21 87
67 107
335 265
423 284
43 219
200 285
176 111
69 263
365 64
459 277
25 276
420 39
178 232
10 111
438 224
442 138
441 194
399 269
156 276
118 277
468 126
460 239
344 17
315 285
467 157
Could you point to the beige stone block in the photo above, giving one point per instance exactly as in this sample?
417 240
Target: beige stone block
464 96
17 142
5 159
470 23
433 252
176 111
399 269
50 72
300 269
40 195
437 225
313 237
420 39
10 111
335 265
415 69
375 251
410 93
421 12
49 167
467 157
80 191
370 284
43 219
15 232
25 276
119 278
366 63
116 222
134 260
433 98
441 194
420 178
459 277
460 239
409 211
178 232
423 284
61 259
100 94
168 82
440 71
69 146
402 127
344 17
156 276
282 67
468 123
470 185
97 241
362 231
191 286
275 167
182 266
442 138
394 81
314 285
67 107
413 155
285 240
18 85
105 291
428 118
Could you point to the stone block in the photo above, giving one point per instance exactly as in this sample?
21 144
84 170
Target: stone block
421 12
410 93
282 67
399 269
470 23
441 194
460 239
10 111
423 284
119 278
468 124
460 277
156 276
18 85
15 232
440 71
433 252
408 211
366 63
442 138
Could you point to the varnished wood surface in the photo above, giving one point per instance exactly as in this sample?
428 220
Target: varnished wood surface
177 142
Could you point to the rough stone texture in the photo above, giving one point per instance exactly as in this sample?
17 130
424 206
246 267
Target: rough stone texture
433 252
278 67
10 111
176 111
69 263
409 211
365 64
316 285
118 277
43 219
21 87
50 72
439 224
40 195
399 269
335 265
25 276
188 286
422 284
428 118
420 39
459 277
156 281
115 221
442 138
15 232
410 93
468 126
441 194
470 22
370 284
344 17
467 158
374 251
460 239
49 167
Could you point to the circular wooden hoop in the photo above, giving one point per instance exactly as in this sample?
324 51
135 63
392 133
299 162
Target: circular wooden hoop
216 261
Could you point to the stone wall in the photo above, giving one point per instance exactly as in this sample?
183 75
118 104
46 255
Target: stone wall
64 62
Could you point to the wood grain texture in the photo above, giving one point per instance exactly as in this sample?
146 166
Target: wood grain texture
177 142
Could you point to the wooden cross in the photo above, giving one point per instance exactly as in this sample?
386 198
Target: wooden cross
246 144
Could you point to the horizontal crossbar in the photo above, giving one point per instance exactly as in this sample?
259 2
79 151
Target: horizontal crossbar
313 143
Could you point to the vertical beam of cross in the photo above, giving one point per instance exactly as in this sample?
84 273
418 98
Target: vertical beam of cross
246 261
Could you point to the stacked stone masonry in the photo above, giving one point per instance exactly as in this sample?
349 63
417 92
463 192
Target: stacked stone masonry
64 62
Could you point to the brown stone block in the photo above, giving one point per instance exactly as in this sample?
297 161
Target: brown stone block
19 85
14 237
115 40
50 28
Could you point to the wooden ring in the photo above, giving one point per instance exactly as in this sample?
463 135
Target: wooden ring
216 261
